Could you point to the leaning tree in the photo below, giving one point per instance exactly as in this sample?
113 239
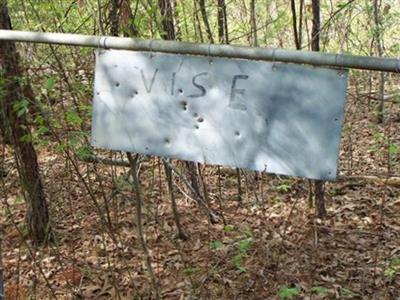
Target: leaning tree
13 91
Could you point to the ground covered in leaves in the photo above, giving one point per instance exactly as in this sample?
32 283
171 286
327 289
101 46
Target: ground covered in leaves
267 243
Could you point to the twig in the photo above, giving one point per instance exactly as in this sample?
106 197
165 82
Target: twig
168 173
391 181
138 194
199 198
1 267
112 162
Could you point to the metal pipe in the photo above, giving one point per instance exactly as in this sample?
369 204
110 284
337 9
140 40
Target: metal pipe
212 50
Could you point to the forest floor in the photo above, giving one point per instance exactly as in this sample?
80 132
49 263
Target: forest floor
267 245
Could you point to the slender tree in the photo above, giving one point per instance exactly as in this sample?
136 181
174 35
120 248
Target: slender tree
319 184
253 22
2 296
114 17
203 10
167 19
316 25
168 33
168 174
294 23
379 48
5 138
197 24
37 216
127 19
222 23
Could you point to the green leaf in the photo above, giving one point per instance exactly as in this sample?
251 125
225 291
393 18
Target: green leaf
319 290
84 152
49 83
393 149
396 261
42 130
390 272
21 107
241 269
283 188
216 245
288 292
348 293
39 120
229 228
61 147
276 200
237 260
27 138
73 118
373 149
191 270
244 245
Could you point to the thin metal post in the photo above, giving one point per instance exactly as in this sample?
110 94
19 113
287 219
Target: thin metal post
268 54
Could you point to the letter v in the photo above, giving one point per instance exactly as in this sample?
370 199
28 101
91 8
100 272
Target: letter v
147 86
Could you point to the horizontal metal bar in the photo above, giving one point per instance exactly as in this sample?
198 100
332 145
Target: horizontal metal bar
268 54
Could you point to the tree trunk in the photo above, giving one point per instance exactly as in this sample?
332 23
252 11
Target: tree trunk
378 42
194 178
4 134
114 17
300 31
205 20
168 174
2 296
319 191
253 21
294 24
222 23
168 31
127 19
197 25
37 218
319 184
167 21
316 24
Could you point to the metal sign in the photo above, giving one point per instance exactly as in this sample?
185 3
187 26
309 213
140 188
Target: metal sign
274 117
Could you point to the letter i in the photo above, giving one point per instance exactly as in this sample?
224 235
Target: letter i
173 83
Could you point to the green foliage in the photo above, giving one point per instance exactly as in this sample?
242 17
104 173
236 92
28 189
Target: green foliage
394 149
86 110
393 268
229 228
84 152
21 107
122 183
27 138
73 118
242 247
49 83
216 245
287 292
191 270
87 272
320 290
384 147
284 187
77 142
41 129
276 200
348 293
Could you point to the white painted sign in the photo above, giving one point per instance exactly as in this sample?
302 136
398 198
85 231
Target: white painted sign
274 117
